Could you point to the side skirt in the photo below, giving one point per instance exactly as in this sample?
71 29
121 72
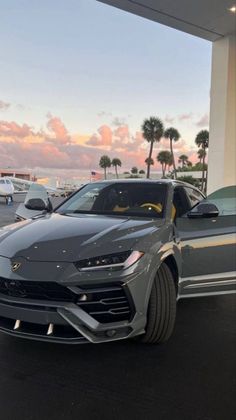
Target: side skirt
211 284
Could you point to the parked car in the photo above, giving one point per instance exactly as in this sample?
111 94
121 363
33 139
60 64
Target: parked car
113 259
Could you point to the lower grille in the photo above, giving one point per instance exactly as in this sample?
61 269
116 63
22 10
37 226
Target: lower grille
107 304
60 332
36 290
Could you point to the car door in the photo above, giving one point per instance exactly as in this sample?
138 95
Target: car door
208 246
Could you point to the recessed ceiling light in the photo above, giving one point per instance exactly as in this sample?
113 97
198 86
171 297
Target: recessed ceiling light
232 9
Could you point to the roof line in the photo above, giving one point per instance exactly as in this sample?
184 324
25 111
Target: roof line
137 3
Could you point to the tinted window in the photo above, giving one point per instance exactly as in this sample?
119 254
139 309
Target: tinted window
137 199
194 196
180 202
2 181
225 200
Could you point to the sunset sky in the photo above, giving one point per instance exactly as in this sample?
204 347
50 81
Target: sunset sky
78 77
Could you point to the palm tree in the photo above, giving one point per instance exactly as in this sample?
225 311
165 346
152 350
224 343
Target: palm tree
183 159
105 162
164 157
201 153
152 130
149 161
170 163
202 141
116 162
134 170
173 135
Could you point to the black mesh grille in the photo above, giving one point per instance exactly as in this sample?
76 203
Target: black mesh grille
36 290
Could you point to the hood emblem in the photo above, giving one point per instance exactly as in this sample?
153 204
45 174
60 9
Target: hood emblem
15 266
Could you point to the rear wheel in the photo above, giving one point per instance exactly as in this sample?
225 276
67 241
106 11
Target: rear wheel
162 308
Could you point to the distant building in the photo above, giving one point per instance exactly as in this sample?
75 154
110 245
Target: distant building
17 174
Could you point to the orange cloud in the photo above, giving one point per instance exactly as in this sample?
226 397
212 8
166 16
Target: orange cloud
13 129
106 135
55 147
104 138
56 126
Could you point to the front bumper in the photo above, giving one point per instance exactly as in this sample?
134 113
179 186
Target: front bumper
87 310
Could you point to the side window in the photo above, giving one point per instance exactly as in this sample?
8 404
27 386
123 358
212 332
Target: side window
180 202
194 196
225 200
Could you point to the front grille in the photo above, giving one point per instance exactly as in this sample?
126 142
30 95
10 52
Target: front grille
36 290
104 303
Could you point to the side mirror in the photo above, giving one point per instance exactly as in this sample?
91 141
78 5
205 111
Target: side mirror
203 210
37 204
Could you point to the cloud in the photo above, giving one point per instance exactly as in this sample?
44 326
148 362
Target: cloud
54 147
185 117
122 132
106 135
95 140
12 129
117 121
204 121
58 129
169 120
104 114
102 138
4 105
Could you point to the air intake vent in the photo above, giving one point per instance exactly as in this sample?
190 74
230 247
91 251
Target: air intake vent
106 303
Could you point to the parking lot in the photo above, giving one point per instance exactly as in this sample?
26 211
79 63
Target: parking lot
191 377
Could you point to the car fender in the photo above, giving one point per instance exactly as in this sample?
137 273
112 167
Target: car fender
170 249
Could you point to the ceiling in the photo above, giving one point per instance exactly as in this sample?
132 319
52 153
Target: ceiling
208 19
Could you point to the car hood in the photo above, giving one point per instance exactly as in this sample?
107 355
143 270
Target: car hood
70 238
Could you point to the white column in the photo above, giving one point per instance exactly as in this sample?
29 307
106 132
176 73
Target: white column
222 141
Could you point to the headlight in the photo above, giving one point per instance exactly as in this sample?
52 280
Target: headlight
121 260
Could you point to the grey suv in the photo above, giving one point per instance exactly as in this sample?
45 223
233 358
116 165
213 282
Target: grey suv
113 259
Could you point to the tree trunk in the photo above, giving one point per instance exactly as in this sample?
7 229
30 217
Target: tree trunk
149 159
105 173
203 172
116 172
163 170
165 166
173 158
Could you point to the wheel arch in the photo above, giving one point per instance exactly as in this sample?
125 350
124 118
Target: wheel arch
170 261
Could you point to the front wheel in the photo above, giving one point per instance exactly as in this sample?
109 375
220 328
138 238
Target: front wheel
162 308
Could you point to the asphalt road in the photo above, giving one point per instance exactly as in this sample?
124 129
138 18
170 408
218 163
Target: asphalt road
191 377
7 213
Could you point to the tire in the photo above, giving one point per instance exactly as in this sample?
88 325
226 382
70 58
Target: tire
161 309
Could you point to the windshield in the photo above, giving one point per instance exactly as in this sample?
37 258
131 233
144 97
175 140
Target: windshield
131 199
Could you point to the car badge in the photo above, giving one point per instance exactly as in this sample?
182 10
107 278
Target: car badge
15 266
